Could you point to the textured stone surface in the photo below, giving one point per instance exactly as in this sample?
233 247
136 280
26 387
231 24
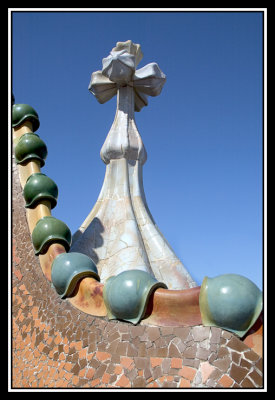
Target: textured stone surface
55 345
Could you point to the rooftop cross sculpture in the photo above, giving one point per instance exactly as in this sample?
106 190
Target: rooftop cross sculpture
120 234
133 259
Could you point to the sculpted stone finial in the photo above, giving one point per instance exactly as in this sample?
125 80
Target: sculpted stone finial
120 234
119 69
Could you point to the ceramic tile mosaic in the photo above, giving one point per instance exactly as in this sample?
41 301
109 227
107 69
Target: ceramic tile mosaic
55 345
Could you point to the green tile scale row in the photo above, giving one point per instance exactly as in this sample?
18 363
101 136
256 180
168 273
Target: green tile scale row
67 268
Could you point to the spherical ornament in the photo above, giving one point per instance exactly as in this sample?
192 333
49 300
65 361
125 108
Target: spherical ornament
126 295
22 113
30 147
68 269
40 187
230 301
49 230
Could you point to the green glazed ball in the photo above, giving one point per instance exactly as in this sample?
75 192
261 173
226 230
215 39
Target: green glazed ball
49 230
126 295
30 147
40 187
68 269
22 113
230 301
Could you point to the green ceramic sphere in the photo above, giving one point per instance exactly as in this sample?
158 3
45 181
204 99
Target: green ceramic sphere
68 269
49 230
230 301
30 147
126 295
40 187
22 113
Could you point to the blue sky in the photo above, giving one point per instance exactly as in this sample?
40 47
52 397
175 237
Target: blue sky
203 134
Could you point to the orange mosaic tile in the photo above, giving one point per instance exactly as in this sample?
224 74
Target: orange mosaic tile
155 361
102 356
75 380
188 372
226 381
18 274
118 369
123 382
127 362
68 366
82 353
184 383
105 378
176 363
